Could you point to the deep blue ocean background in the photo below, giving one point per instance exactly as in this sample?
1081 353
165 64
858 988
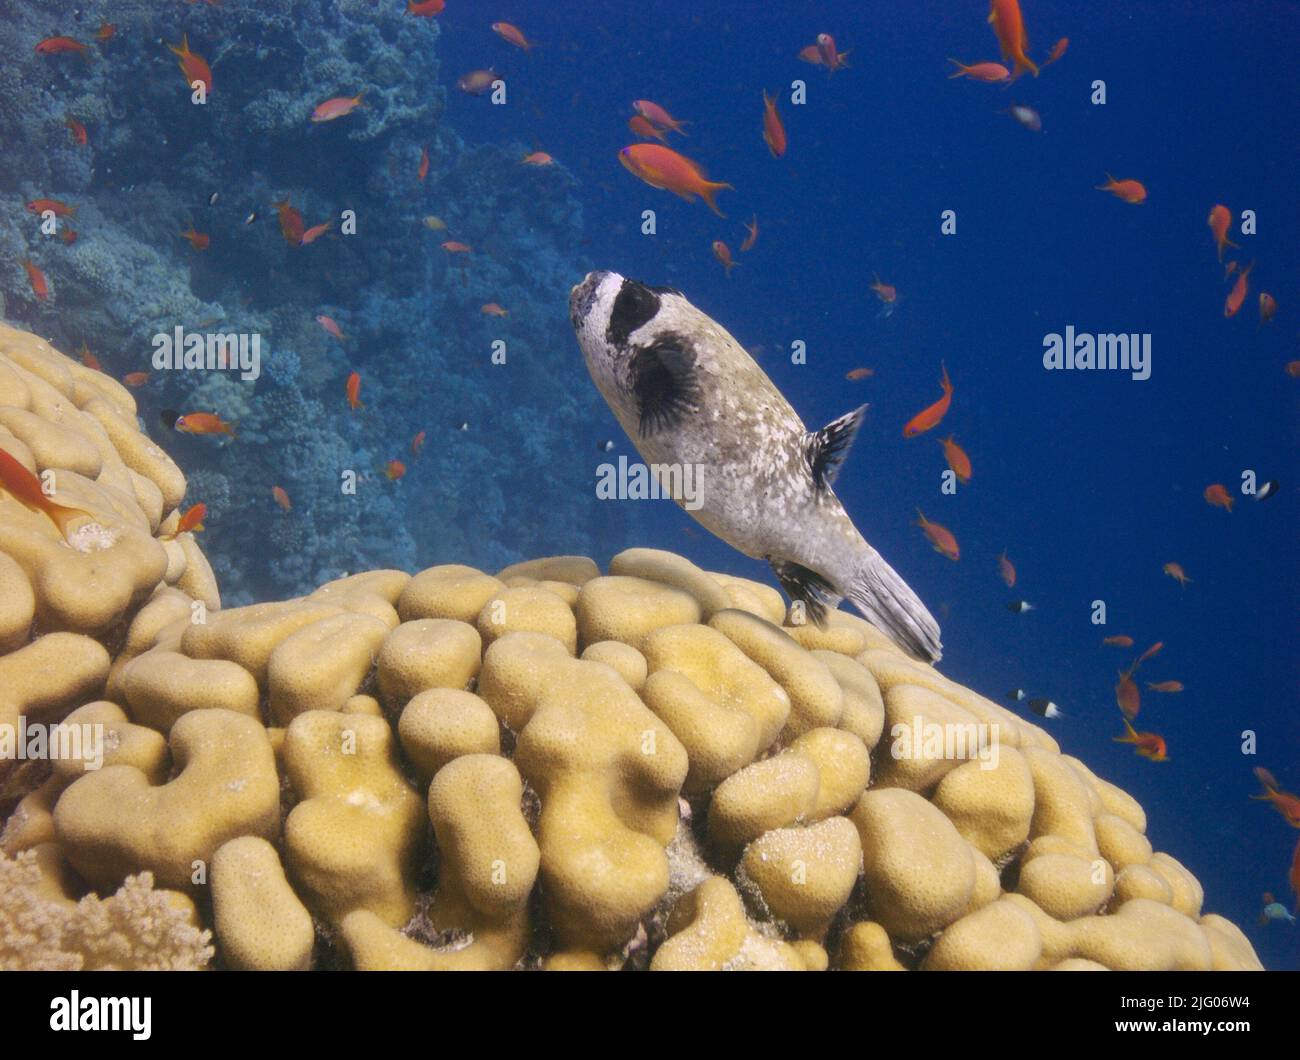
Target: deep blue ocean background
1090 481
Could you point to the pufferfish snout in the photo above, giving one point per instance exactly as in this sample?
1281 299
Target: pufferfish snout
690 397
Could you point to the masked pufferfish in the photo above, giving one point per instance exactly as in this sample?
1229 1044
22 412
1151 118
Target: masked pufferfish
687 393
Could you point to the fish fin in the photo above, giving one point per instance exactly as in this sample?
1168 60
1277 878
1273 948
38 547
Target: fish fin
708 190
807 587
961 69
828 448
663 382
889 604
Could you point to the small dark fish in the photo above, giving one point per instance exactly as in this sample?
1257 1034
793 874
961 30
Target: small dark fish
1267 490
1044 708
212 199
169 418
1016 695
606 445
1019 607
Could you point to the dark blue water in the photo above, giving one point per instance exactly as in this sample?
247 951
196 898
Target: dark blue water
1090 480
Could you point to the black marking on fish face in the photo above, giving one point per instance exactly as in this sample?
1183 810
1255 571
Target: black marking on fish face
805 586
663 381
828 448
635 306
583 297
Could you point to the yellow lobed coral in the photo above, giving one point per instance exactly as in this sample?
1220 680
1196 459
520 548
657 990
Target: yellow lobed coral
552 766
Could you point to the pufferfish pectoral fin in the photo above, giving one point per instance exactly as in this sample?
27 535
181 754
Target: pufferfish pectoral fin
806 587
828 448
664 383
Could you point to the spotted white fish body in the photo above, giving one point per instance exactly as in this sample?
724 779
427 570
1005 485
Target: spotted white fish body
689 396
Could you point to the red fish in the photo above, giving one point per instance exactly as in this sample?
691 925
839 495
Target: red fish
291 226
26 488
394 469
1293 369
511 35
193 65
281 498
1127 696
331 327
491 309
105 32
354 391
853 375
828 55
314 233
338 107
59 46
477 82
40 288
198 240
1267 307
1009 25
662 167
1118 641
1294 877
1175 571
643 128
886 292
1287 805
191 522
78 132
1165 686
940 537
1218 221
658 116
1150 653
423 171
538 158
929 417
1238 293
417 443
89 359
773 130
68 235
1058 49
723 253
55 206
1129 191
989 73
1149 745
751 236
1217 496
1007 569
204 423
425 8
958 461
135 379
451 246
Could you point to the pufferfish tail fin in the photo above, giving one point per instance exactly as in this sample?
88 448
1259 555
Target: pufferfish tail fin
888 602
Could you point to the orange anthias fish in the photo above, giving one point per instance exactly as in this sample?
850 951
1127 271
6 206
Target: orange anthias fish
1238 293
198 240
68 235
1058 49
291 226
78 131
1218 221
417 443
1175 571
662 167
55 206
314 233
425 8
1007 569
1127 696
25 488
338 107
204 423
1288 805
538 158
1009 25
751 235
191 522
40 288
645 129
477 82
331 327
1267 307
1217 496
1165 686
281 498
491 309
929 417
1129 191
958 461
830 55
354 391
989 73
89 359
193 65
1293 369
394 469
423 171
773 130
453 247
135 379
1149 745
105 32
1294 877
59 46
940 537
658 116
723 253
511 35
853 375
1118 641
886 292
1150 653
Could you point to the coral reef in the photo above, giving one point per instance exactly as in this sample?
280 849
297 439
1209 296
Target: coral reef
546 767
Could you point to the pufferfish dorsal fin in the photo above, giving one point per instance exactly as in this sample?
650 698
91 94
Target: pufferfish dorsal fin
828 448
806 587
663 382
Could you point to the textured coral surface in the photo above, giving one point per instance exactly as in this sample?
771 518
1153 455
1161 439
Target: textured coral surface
547 767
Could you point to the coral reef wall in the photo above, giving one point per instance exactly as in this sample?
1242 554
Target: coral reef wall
550 766
157 165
